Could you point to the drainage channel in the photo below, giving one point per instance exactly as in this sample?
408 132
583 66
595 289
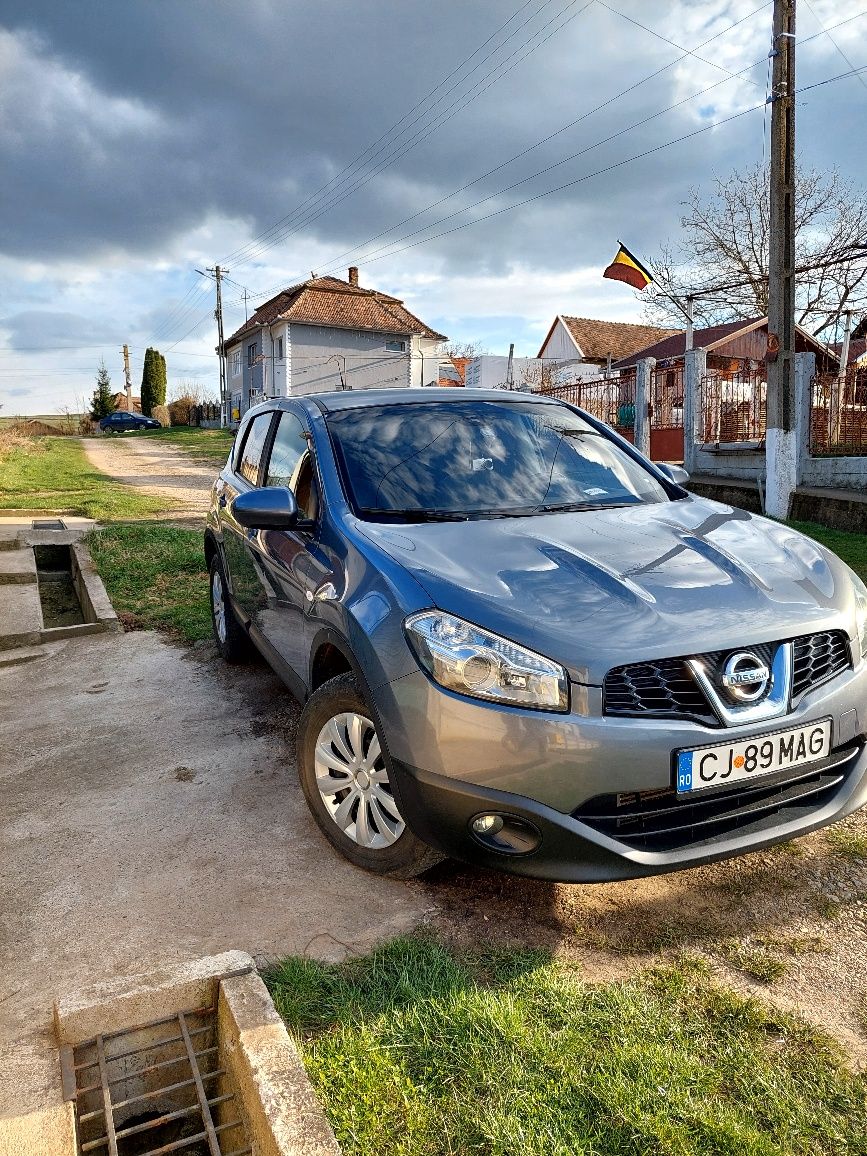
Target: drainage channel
154 1089
57 592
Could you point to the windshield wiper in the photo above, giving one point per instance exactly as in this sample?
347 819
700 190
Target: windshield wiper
415 515
568 507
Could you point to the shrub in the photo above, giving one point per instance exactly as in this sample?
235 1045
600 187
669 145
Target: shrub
161 413
180 408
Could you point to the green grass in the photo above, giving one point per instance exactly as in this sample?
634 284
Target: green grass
418 1051
156 577
211 445
48 473
852 844
852 548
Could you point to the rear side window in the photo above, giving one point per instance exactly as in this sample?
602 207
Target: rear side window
254 443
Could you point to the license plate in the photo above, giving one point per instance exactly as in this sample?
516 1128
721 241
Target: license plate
733 762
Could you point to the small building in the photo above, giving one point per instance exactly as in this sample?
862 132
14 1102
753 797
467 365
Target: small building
327 334
583 347
728 346
121 403
491 371
452 371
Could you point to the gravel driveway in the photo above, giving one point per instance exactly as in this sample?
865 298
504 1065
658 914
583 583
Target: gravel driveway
156 469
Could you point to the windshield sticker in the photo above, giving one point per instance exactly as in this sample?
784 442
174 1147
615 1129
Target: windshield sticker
595 491
483 464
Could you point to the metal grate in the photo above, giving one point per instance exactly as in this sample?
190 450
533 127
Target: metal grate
154 1089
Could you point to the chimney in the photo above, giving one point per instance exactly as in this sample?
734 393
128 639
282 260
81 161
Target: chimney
353 275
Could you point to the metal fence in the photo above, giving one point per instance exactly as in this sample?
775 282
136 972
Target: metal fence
734 404
838 413
210 411
609 399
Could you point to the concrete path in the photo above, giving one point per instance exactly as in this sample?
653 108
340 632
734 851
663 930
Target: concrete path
156 469
150 813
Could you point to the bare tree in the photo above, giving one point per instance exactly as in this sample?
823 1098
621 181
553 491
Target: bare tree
725 239
462 349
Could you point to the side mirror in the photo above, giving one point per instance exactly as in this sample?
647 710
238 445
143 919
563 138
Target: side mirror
272 508
677 474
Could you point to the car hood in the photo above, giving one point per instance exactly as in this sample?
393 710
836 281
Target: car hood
601 588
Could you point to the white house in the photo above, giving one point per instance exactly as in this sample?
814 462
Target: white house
578 347
490 371
327 334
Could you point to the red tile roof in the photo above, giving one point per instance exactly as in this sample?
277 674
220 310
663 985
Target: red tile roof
857 348
337 304
598 339
675 344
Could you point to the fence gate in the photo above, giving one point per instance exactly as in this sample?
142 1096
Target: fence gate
734 405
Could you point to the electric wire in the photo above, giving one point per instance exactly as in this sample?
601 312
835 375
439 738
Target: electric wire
368 154
406 146
827 32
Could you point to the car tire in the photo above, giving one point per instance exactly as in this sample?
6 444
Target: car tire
231 639
336 735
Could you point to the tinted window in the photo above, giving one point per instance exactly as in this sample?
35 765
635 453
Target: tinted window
291 464
479 457
254 443
289 447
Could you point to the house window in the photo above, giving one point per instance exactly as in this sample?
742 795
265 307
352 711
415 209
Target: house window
395 346
236 363
251 354
279 348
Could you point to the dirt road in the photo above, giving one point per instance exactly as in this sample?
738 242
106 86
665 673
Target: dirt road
156 469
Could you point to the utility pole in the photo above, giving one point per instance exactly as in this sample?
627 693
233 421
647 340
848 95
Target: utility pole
781 442
689 319
217 273
510 368
127 378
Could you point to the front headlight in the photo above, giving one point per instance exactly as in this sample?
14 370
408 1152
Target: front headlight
861 612
467 659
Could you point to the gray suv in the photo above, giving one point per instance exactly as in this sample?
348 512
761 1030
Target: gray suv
521 644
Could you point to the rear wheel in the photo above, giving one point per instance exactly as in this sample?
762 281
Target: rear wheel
346 783
232 642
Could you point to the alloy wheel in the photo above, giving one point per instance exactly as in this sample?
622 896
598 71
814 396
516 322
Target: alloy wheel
353 781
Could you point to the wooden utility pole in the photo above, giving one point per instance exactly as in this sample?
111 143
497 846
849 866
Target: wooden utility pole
781 439
128 379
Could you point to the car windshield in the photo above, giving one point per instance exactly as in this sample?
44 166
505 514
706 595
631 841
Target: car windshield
463 459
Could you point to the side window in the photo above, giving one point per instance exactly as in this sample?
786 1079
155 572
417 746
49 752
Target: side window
291 464
254 443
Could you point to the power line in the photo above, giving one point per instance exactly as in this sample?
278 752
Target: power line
334 262
833 41
347 168
448 114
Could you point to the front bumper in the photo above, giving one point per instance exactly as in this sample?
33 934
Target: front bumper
455 758
440 810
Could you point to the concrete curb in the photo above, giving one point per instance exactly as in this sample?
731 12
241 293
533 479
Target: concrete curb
276 1101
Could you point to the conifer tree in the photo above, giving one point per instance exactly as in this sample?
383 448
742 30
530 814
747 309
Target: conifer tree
102 403
149 382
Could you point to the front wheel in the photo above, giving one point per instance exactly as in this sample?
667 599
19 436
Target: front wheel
346 783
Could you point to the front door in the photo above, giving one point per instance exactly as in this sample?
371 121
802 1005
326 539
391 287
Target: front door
290 560
246 577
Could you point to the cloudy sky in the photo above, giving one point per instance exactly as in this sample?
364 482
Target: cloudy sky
478 158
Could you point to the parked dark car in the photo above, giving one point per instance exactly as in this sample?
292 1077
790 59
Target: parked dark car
522 644
123 422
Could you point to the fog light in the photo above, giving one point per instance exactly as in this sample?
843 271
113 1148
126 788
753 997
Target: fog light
506 834
487 824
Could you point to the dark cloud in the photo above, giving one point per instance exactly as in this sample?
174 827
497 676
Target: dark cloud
130 124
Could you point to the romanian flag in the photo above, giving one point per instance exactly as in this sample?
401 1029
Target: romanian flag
627 268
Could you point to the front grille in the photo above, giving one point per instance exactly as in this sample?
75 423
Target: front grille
660 689
664 688
818 657
662 820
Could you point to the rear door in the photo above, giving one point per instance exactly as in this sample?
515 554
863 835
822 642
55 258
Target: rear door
246 580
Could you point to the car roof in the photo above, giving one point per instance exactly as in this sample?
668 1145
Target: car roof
359 398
